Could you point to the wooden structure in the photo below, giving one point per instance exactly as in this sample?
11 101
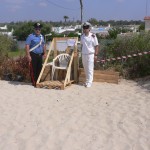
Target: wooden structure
73 74
101 76
60 45
147 23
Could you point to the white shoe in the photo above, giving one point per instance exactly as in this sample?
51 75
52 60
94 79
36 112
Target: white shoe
85 84
88 85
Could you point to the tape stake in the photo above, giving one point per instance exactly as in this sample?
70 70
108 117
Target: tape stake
124 57
145 52
103 60
113 58
118 58
108 59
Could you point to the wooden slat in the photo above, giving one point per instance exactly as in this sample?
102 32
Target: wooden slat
82 80
101 76
81 70
50 84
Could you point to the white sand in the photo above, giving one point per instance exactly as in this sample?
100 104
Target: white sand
103 117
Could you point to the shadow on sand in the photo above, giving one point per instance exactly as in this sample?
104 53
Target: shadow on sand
144 82
19 83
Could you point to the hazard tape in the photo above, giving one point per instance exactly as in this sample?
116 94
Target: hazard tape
123 57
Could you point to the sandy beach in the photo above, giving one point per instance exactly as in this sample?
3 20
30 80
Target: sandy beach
103 117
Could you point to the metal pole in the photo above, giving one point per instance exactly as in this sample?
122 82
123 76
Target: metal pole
146 6
45 39
81 5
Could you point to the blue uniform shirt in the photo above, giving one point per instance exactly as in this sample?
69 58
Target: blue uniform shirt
32 40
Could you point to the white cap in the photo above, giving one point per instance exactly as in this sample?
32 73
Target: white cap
87 24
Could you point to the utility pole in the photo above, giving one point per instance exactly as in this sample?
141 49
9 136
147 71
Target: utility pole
146 6
81 5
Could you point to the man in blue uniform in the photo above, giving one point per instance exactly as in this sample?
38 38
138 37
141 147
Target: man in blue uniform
35 51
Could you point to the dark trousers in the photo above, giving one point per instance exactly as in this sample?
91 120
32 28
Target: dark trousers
35 67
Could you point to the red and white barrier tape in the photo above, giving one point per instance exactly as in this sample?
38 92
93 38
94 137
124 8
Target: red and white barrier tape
123 57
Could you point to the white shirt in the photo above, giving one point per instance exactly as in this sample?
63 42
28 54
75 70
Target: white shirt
88 43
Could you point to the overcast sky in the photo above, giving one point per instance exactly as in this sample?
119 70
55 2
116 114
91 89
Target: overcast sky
55 10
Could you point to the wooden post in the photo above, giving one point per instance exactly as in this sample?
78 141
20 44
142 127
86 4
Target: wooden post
76 62
55 47
39 78
67 79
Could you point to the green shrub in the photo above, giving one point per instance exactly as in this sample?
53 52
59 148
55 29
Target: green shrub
133 67
16 68
6 44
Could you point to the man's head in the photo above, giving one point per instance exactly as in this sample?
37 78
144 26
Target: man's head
37 27
86 28
86 25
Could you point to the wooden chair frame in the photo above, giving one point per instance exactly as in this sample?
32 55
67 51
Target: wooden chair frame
73 58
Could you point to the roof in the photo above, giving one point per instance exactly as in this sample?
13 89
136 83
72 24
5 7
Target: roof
147 18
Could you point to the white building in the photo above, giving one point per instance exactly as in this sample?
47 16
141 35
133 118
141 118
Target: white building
101 30
4 28
66 28
5 32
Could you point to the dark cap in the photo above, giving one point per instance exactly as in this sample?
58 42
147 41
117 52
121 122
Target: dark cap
37 25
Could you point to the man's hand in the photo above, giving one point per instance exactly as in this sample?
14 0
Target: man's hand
29 58
75 54
44 56
95 58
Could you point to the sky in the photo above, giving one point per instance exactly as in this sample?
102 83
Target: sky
55 10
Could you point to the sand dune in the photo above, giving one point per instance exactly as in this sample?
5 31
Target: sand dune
103 117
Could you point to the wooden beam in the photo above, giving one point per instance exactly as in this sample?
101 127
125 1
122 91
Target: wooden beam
76 62
67 79
55 48
101 76
39 78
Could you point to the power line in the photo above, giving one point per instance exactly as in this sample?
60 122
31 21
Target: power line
57 5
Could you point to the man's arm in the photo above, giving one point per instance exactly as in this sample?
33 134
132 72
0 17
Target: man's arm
95 47
96 53
28 52
96 50
44 51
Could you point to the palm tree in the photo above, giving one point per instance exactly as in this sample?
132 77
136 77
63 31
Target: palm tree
66 17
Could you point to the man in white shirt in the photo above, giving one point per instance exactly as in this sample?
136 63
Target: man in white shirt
89 44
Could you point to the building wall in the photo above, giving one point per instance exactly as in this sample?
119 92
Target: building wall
147 25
